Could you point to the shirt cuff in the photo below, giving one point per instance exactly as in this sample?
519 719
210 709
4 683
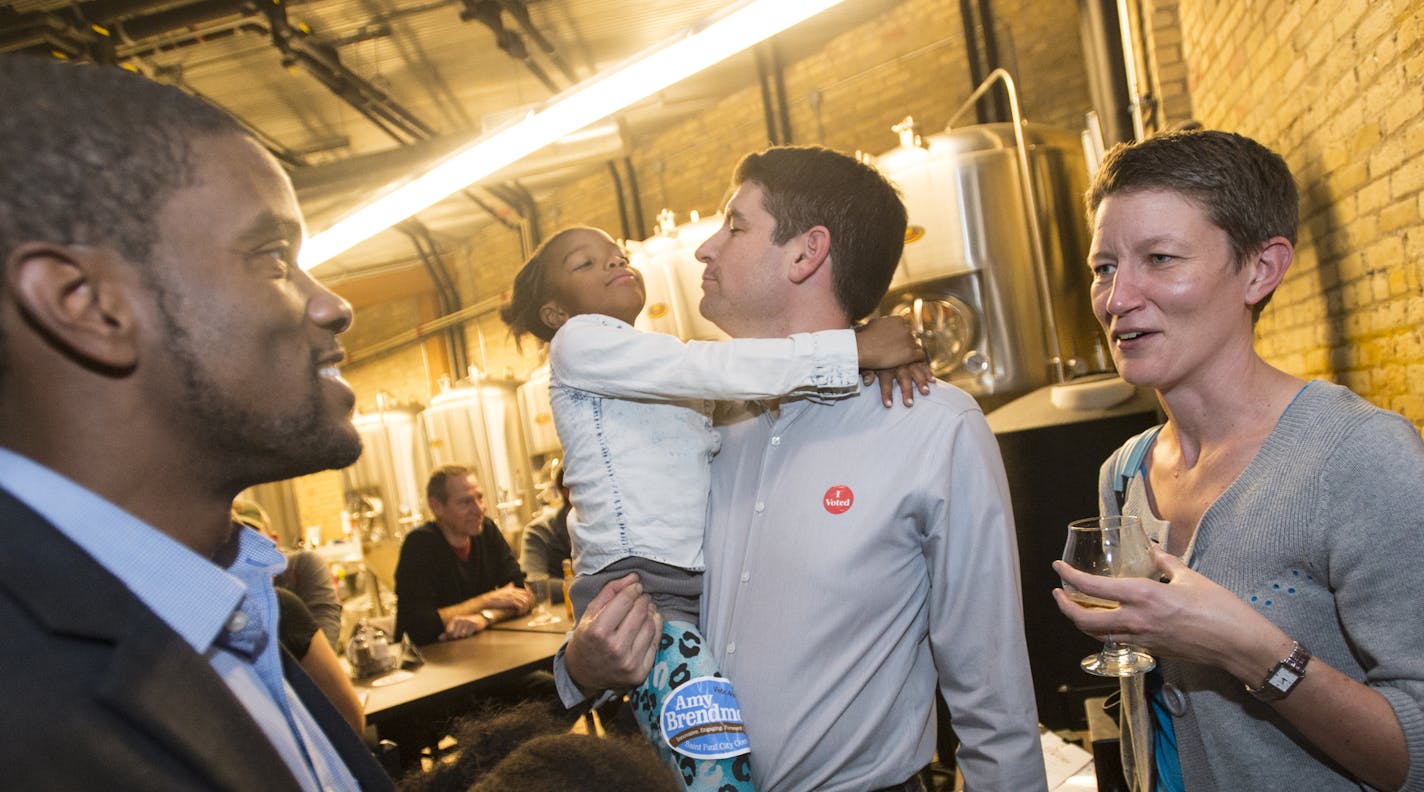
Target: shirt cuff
835 358
570 694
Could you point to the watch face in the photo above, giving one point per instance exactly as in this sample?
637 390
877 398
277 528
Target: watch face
1283 680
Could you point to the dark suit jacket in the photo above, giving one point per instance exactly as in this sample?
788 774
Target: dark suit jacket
97 692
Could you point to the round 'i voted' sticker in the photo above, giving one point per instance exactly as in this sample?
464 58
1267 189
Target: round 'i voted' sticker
701 719
838 499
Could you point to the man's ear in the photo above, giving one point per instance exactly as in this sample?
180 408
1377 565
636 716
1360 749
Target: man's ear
553 315
80 297
1268 269
814 249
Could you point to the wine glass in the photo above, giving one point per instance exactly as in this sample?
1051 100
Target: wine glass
1113 546
541 591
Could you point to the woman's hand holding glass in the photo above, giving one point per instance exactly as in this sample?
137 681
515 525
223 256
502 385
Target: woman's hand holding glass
1187 617
1114 547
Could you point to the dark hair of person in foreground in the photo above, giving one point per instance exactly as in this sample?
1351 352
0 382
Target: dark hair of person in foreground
527 748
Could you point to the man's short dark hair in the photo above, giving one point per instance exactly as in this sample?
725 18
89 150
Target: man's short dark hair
90 154
807 186
436 488
1244 188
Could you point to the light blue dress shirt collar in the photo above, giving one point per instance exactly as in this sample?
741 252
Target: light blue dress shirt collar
195 598
187 591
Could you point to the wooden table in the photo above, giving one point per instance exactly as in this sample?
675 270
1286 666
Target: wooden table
521 624
459 669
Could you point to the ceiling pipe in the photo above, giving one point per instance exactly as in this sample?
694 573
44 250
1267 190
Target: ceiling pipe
773 134
198 34
992 59
181 18
487 12
624 231
445 292
520 11
1102 35
421 332
324 63
636 196
107 22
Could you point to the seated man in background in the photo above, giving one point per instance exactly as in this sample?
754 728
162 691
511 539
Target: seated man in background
546 544
456 574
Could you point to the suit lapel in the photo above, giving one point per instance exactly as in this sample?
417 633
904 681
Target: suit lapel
155 679
173 694
353 752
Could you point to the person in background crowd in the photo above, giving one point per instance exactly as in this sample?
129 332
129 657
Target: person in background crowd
307 575
527 748
546 544
297 630
855 556
456 574
160 351
1291 513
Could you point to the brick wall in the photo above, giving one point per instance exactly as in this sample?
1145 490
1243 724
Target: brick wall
1335 87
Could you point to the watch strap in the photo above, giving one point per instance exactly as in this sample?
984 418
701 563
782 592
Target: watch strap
1283 678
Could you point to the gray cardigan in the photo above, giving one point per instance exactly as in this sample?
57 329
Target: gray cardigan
1324 534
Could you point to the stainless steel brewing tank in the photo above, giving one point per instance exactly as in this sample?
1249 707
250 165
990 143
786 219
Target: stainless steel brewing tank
672 277
970 255
479 425
385 488
537 415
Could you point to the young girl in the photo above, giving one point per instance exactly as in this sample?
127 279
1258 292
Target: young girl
634 415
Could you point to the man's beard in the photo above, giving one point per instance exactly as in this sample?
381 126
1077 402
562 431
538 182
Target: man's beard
261 447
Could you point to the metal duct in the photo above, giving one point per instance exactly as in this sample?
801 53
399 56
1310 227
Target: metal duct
1101 31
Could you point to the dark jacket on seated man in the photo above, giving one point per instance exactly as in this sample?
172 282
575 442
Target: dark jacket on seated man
430 576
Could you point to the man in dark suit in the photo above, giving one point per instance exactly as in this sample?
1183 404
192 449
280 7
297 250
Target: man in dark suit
159 351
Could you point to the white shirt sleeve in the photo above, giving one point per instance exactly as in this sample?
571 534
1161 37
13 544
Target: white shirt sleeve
602 355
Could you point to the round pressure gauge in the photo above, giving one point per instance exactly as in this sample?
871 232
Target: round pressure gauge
947 326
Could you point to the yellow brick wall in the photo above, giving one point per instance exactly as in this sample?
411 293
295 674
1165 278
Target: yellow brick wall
1335 87
320 501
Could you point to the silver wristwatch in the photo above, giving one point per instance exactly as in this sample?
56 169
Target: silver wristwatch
1284 677
489 616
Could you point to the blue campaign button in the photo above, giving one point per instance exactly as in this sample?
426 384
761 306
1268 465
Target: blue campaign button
701 719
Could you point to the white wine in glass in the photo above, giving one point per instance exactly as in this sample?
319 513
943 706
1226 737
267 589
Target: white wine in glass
1113 546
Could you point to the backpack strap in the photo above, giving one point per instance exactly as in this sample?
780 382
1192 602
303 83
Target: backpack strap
1128 466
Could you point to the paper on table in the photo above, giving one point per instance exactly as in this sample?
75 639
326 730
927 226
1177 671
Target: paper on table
1068 767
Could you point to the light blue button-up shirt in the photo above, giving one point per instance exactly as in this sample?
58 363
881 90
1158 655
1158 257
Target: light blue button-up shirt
858 558
197 600
634 415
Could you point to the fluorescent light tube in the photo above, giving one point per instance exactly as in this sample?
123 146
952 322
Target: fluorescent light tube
710 42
